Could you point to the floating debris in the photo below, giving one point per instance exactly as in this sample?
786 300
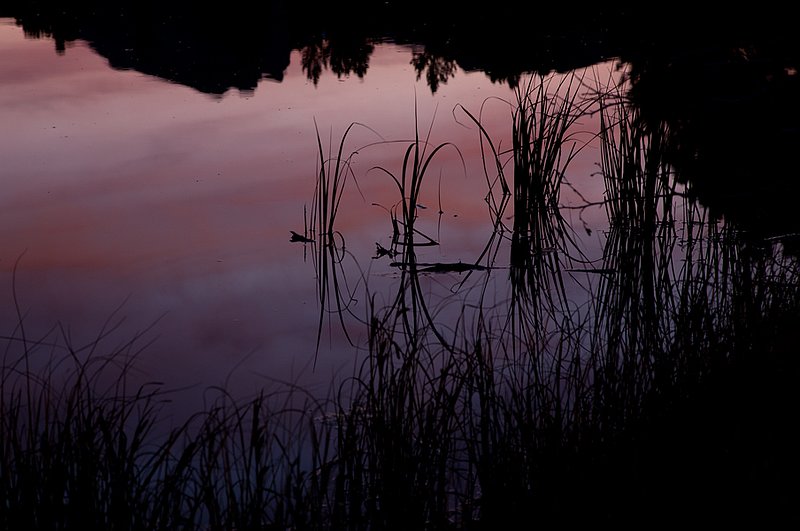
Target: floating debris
442 267
299 238
598 271
382 251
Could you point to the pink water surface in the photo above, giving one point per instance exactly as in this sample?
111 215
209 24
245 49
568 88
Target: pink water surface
120 187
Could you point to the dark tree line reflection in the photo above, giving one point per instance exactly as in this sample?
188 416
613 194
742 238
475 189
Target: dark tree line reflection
342 57
213 48
726 83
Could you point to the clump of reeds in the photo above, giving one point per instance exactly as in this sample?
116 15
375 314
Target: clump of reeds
545 140
333 172
636 174
416 162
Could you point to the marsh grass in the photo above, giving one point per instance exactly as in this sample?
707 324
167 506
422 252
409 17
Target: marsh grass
417 159
637 177
546 137
334 170
80 450
666 390
75 440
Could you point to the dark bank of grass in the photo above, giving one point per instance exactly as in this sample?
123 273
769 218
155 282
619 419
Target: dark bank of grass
82 450
666 398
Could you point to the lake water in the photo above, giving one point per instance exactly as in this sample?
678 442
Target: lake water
126 192
556 267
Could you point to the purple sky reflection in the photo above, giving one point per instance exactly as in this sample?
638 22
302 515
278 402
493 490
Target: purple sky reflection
117 186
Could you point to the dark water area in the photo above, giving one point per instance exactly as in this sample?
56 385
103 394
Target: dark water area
401 266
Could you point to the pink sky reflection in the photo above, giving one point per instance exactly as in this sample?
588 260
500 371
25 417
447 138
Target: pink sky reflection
117 184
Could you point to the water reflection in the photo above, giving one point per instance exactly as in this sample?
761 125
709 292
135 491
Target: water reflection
726 91
211 49
435 69
121 186
506 362
343 57
578 368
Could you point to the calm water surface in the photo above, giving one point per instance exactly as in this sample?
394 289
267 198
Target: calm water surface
122 190
629 331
